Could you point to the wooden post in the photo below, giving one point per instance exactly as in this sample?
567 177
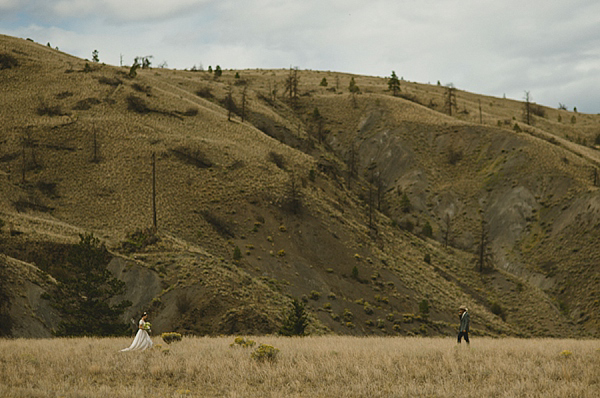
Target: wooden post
23 164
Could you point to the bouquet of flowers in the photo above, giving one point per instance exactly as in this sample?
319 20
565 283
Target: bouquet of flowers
147 326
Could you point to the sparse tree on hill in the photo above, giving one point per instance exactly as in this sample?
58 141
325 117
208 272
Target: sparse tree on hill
371 173
394 84
144 62
229 103
133 70
446 229
84 293
484 253
450 98
95 57
291 84
352 162
323 82
293 198
296 320
318 123
353 88
244 96
405 203
210 69
527 108
5 319
218 71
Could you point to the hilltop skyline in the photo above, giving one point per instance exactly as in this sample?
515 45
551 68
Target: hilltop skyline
497 49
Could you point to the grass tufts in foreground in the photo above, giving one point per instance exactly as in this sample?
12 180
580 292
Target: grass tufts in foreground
331 366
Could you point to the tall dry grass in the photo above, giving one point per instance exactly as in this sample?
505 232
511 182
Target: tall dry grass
330 366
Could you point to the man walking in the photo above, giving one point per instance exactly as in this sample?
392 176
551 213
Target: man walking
463 329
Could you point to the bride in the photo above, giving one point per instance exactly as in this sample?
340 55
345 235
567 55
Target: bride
142 338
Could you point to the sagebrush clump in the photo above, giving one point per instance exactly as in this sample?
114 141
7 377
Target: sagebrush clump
170 337
264 353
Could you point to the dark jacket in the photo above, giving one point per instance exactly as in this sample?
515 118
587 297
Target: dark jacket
464 322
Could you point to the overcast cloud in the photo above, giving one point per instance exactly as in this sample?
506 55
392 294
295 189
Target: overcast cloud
549 48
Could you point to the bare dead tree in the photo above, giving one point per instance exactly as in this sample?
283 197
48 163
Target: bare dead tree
371 171
527 108
229 103
291 84
352 163
318 123
484 254
293 200
450 98
244 93
446 229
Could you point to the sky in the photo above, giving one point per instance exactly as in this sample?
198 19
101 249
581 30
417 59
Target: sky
550 48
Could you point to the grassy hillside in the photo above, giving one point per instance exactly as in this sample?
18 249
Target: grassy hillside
326 196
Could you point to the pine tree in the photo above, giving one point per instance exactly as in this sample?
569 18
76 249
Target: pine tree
84 292
296 321
394 84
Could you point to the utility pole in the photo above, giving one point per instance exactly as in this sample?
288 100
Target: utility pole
154 190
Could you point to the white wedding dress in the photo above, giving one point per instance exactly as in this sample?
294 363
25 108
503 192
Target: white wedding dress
142 340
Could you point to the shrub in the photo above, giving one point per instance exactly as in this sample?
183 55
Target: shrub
7 61
368 309
139 240
380 323
498 310
237 254
538 110
242 342
183 303
192 156
424 307
85 104
390 317
138 105
205 92
110 81
49 110
427 258
347 315
355 272
221 226
314 295
277 159
170 337
427 230
331 296
405 203
454 156
407 318
265 352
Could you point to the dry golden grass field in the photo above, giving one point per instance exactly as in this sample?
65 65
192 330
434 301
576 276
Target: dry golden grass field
332 366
